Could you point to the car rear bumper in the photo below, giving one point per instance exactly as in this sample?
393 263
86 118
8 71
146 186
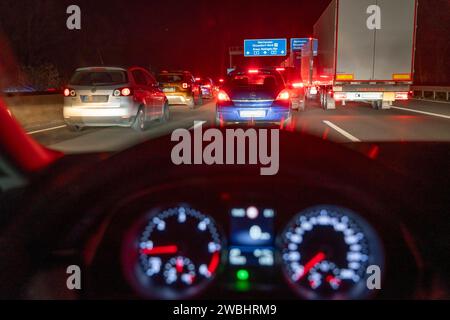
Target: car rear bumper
178 98
99 116
257 114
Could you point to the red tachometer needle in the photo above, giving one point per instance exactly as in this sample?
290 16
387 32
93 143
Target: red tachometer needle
311 263
179 265
160 250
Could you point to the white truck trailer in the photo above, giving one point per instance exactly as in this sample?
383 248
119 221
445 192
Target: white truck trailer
366 52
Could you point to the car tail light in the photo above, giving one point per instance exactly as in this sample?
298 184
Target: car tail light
401 96
221 80
280 69
222 96
253 71
297 85
284 95
340 96
123 92
198 79
185 85
69 92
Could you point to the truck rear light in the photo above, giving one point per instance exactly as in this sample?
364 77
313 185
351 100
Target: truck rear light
344 77
401 96
340 96
222 96
185 85
122 92
284 95
297 85
402 77
69 92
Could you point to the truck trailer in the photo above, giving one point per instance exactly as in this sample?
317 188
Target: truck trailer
366 52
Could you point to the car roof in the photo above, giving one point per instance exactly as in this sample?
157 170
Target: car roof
102 67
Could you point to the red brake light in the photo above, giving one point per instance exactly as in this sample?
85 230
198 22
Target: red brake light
222 96
280 69
185 85
198 79
297 85
284 95
221 80
207 86
69 92
122 92
125 92
253 71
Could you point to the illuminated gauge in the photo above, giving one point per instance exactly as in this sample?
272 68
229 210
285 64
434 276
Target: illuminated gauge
326 252
177 254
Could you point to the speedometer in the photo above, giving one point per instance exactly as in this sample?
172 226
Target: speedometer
176 253
326 252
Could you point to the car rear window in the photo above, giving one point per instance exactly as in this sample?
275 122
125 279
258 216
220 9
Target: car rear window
170 78
99 78
255 80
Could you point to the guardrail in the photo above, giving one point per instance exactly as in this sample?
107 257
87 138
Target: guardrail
437 93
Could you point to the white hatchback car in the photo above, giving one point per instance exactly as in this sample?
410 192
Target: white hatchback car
111 96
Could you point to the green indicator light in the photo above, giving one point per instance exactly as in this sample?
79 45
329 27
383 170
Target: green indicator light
242 275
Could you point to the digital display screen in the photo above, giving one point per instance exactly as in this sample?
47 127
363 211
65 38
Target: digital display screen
252 237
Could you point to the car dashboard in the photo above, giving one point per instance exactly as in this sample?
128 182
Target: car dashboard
248 246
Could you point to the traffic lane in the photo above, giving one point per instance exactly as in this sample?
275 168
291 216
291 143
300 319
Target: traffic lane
59 134
312 121
364 123
113 139
440 108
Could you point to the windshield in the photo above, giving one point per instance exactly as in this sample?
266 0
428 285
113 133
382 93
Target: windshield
228 149
98 78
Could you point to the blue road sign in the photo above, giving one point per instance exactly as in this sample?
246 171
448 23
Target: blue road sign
298 43
265 48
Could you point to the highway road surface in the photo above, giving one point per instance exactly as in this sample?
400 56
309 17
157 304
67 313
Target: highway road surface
407 121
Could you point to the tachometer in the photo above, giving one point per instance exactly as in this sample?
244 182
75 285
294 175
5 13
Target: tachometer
326 252
177 253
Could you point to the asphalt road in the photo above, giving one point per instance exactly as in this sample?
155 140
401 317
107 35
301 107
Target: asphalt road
406 121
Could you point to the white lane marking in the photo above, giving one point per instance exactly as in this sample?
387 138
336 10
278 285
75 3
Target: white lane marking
341 131
48 129
429 100
423 112
197 124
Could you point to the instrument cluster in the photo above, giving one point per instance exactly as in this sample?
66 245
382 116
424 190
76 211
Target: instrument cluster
323 252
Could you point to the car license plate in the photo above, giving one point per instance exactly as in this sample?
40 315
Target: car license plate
94 99
169 90
253 114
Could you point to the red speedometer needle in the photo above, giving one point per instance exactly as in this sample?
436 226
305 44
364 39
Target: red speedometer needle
311 263
160 250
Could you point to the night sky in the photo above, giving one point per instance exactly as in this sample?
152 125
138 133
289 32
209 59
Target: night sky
179 34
